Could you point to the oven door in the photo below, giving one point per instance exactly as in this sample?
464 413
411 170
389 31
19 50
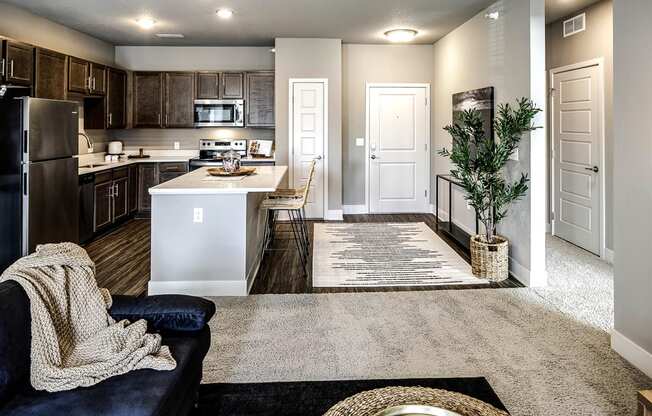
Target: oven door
212 113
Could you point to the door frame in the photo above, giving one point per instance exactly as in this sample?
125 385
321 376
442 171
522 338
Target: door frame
599 62
368 87
325 159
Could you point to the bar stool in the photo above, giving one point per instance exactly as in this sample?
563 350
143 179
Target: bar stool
292 202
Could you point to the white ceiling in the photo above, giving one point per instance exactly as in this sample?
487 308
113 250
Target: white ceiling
556 9
256 22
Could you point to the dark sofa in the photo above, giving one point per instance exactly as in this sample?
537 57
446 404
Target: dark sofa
182 322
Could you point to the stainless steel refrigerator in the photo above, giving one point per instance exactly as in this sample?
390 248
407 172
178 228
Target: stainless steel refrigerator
39 196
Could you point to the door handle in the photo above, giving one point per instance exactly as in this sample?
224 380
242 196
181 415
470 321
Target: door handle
594 169
374 157
318 158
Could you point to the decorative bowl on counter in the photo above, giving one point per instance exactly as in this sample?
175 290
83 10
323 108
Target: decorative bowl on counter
243 171
231 161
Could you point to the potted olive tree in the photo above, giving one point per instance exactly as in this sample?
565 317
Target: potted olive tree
478 162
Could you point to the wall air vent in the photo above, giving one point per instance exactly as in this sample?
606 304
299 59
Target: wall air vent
575 25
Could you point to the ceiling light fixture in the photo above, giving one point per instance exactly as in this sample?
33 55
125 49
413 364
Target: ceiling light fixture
170 35
225 13
401 35
273 50
492 15
146 22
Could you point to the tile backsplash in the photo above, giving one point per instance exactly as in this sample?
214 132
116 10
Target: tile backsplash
187 138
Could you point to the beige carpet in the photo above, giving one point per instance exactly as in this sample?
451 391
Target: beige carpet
545 351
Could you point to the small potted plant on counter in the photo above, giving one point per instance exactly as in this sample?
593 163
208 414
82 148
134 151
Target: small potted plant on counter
478 162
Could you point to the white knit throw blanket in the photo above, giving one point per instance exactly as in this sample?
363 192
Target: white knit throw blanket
75 342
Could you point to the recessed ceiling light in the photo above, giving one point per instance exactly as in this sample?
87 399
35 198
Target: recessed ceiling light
146 22
273 50
170 35
401 35
225 13
492 15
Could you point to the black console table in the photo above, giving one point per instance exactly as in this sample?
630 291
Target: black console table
448 227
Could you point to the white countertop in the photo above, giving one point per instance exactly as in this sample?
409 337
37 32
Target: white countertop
266 179
100 166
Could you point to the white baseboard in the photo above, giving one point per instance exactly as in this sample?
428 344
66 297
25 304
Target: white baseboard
198 288
526 276
333 215
632 352
609 255
354 209
548 228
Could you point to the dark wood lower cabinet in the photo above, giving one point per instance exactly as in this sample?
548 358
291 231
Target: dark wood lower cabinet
132 189
120 198
148 177
103 205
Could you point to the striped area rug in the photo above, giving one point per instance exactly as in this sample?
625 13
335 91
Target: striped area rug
385 254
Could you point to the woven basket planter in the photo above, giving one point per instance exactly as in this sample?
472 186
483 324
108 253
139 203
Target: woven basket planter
490 261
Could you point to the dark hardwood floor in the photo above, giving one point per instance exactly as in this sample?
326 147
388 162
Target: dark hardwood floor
122 260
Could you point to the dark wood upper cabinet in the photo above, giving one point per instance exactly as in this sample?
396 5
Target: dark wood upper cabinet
259 101
97 81
208 85
148 99
116 99
50 74
78 75
179 87
17 65
232 86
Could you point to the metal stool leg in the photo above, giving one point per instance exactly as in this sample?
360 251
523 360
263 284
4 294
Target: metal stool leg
298 239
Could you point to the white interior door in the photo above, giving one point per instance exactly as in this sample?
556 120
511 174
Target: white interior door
577 134
308 139
398 150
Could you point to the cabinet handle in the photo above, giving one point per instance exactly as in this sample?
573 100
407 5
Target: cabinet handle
117 190
11 68
110 119
2 71
93 83
166 120
159 118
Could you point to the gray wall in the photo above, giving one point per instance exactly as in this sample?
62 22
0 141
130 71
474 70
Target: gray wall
484 52
191 58
27 27
595 42
372 63
312 58
171 58
632 173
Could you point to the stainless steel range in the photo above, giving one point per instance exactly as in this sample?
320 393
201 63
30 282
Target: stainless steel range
210 152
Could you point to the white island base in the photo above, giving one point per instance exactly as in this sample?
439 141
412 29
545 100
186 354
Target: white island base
207 234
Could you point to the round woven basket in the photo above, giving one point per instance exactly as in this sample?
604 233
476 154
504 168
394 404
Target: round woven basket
490 261
372 402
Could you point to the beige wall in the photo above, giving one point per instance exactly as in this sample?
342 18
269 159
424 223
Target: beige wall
632 336
595 42
27 27
312 58
193 58
372 63
507 54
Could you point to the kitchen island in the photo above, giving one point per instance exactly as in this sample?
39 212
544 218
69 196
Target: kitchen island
207 232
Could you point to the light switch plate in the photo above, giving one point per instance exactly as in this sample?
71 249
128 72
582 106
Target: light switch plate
177 146
359 141
198 215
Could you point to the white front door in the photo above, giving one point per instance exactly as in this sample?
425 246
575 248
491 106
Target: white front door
398 149
308 141
577 123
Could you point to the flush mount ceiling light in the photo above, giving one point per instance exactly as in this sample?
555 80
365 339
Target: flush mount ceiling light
492 15
170 35
273 50
146 22
225 13
401 35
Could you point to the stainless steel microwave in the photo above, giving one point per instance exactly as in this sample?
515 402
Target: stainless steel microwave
219 113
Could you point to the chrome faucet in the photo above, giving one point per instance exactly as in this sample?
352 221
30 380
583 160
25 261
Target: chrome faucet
89 142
